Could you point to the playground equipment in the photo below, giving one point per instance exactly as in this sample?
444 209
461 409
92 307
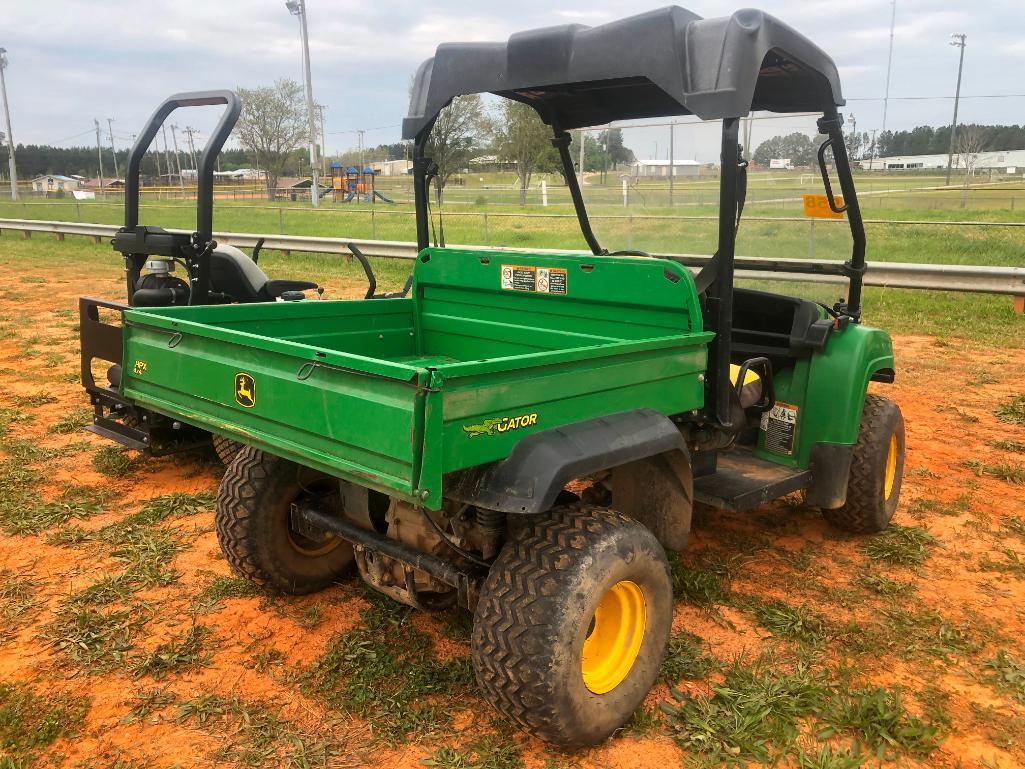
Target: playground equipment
350 184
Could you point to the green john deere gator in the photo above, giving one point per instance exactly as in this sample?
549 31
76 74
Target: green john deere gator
429 441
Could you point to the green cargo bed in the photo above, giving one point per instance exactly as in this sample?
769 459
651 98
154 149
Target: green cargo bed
394 394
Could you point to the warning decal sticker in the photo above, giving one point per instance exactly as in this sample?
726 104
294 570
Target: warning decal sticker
541 280
779 425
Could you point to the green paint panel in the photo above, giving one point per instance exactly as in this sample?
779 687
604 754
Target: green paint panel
394 394
829 389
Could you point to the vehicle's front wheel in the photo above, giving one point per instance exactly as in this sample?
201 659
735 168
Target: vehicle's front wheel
572 624
258 532
877 469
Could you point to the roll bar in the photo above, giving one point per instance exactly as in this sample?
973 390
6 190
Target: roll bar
205 172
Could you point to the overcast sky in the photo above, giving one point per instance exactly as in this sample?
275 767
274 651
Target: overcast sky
73 60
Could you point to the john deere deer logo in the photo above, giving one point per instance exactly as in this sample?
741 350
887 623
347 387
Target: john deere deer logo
245 390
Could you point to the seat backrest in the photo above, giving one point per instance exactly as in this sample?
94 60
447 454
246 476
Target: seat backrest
232 272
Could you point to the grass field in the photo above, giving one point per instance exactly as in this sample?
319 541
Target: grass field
988 318
125 640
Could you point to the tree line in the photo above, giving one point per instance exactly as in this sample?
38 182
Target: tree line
272 133
800 148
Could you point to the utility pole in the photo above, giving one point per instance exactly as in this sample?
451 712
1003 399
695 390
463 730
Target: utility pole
889 61
580 163
99 151
177 159
113 150
672 160
359 134
298 8
7 118
958 41
323 140
167 155
190 132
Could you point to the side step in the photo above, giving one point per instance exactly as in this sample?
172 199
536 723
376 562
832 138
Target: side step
743 482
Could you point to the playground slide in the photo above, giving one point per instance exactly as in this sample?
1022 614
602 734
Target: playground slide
382 197
348 197
327 191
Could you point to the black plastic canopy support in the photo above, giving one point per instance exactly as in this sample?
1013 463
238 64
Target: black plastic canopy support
720 292
561 142
830 124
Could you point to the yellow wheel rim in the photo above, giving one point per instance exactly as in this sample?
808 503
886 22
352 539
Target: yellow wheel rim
891 467
615 637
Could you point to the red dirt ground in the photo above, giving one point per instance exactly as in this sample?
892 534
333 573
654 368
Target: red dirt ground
947 391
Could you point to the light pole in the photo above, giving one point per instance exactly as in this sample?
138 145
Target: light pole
889 61
7 117
854 134
298 8
958 41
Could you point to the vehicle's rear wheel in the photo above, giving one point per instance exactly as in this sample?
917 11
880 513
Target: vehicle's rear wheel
877 470
258 533
572 624
226 448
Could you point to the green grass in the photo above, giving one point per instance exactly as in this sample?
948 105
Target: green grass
114 462
385 670
1011 564
190 651
883 585
686 659
959 506
1011 472
487 752
706 584
877 720
900 545
827 757
759 714
1007 674
1013 412
796 623
985 318
95 640
18 601
1015 447
222 589
251 735
26 515
72 421
146 702
31 722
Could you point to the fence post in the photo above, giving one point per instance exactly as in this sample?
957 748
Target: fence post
626 195
486 243
373 224
630 229
281 221
544 193
811 238
1019 305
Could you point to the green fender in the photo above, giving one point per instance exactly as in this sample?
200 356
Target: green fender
829 390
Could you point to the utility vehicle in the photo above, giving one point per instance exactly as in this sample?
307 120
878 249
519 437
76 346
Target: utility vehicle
431 441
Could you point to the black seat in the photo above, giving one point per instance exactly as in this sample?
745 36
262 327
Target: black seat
777 327
233 273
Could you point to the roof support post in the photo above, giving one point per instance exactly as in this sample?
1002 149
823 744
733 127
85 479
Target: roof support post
720 292
561 142
831 125
420 164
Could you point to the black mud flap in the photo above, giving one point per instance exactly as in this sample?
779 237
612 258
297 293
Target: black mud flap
540 466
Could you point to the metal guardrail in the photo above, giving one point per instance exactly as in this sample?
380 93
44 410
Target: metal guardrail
1006 281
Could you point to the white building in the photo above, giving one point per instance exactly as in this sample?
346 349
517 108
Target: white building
661 168
52 183
392 167
998 160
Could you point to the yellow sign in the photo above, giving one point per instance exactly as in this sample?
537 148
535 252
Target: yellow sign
245 390
817 207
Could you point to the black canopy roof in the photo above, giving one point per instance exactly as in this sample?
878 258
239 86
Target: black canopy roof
664 62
